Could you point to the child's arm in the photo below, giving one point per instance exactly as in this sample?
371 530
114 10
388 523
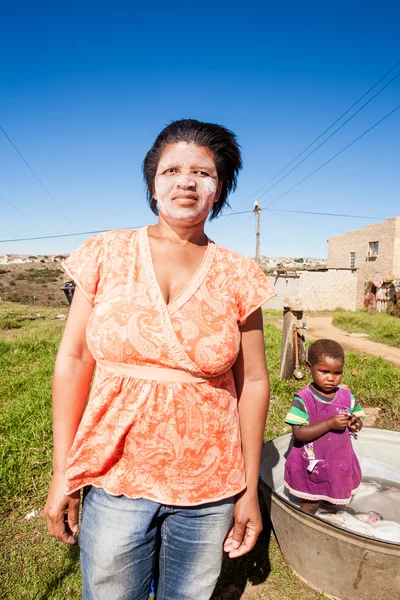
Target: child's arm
354 424
309 433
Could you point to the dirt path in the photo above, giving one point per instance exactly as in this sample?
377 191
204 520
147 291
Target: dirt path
321 327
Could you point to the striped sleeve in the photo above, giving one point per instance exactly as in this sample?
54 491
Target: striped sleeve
297 414
356 409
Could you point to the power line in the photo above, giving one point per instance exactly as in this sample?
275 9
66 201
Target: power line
63 235
334 156
21 213
244 212
328 138
305 212
37 177
326 130
240 225
309 212
303 222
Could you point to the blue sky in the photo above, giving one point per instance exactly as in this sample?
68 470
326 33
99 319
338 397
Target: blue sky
86 89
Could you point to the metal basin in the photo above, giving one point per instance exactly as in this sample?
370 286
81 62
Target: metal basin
334 561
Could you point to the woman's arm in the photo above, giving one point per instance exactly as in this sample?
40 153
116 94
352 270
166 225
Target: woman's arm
252 384
71 382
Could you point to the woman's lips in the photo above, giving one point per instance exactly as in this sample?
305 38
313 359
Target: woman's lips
185 199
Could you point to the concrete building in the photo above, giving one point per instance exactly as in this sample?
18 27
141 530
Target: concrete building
316 290
374 251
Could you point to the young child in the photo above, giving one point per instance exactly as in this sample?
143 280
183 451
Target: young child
322 465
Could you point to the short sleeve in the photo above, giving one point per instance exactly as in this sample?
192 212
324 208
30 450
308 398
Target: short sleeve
297 414
84 266
253 289
356 409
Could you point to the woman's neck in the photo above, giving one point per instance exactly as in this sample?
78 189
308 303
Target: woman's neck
193 234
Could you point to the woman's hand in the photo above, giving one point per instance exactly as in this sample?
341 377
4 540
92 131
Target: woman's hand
62 512
247 526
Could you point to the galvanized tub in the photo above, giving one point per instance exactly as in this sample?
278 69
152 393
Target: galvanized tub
334 561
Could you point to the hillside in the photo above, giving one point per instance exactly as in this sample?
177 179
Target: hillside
33 283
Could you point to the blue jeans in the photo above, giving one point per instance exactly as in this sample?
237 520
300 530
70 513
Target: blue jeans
126 543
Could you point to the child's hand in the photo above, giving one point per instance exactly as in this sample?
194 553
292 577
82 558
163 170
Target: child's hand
354 424
338 422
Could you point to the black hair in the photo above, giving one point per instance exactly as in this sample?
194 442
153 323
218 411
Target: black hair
219 140
322 348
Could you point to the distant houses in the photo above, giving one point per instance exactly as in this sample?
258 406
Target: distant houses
290 262
16 259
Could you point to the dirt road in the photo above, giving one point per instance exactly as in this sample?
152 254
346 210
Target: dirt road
321 327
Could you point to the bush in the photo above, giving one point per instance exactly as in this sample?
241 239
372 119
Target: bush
2 271
20 298
6 324
12 283
44 275
394 309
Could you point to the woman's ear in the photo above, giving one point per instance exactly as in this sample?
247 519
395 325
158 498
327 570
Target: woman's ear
308 366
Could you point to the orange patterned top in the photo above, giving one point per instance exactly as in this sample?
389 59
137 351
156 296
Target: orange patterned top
161 421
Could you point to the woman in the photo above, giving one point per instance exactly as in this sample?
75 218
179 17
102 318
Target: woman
171 436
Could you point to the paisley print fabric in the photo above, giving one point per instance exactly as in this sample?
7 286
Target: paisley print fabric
174 442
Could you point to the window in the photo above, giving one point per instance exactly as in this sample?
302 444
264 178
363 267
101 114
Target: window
352 260
373 249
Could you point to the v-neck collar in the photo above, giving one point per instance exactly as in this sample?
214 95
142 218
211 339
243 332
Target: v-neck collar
192 285
179 352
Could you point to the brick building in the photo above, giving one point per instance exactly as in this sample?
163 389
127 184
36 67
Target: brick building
374 251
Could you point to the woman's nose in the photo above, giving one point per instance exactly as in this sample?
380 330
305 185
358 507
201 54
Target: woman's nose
185 181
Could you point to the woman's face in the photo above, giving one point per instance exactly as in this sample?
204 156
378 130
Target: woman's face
186 183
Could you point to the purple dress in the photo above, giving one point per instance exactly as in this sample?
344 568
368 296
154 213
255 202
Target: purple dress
327 468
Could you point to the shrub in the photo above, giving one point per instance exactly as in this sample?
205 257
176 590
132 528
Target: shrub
6 324
394 309
44 275
20 298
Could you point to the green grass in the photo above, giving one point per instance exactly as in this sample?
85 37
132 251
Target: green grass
377 384
34 566
273 312
380 327
31 321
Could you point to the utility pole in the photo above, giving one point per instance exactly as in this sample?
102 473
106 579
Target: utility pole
257 209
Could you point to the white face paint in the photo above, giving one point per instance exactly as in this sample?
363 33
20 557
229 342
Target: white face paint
186 183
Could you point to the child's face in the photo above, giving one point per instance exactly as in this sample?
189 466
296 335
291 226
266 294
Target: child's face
327 373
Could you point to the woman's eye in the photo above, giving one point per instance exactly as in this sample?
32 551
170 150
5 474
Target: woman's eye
202 173
171 170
